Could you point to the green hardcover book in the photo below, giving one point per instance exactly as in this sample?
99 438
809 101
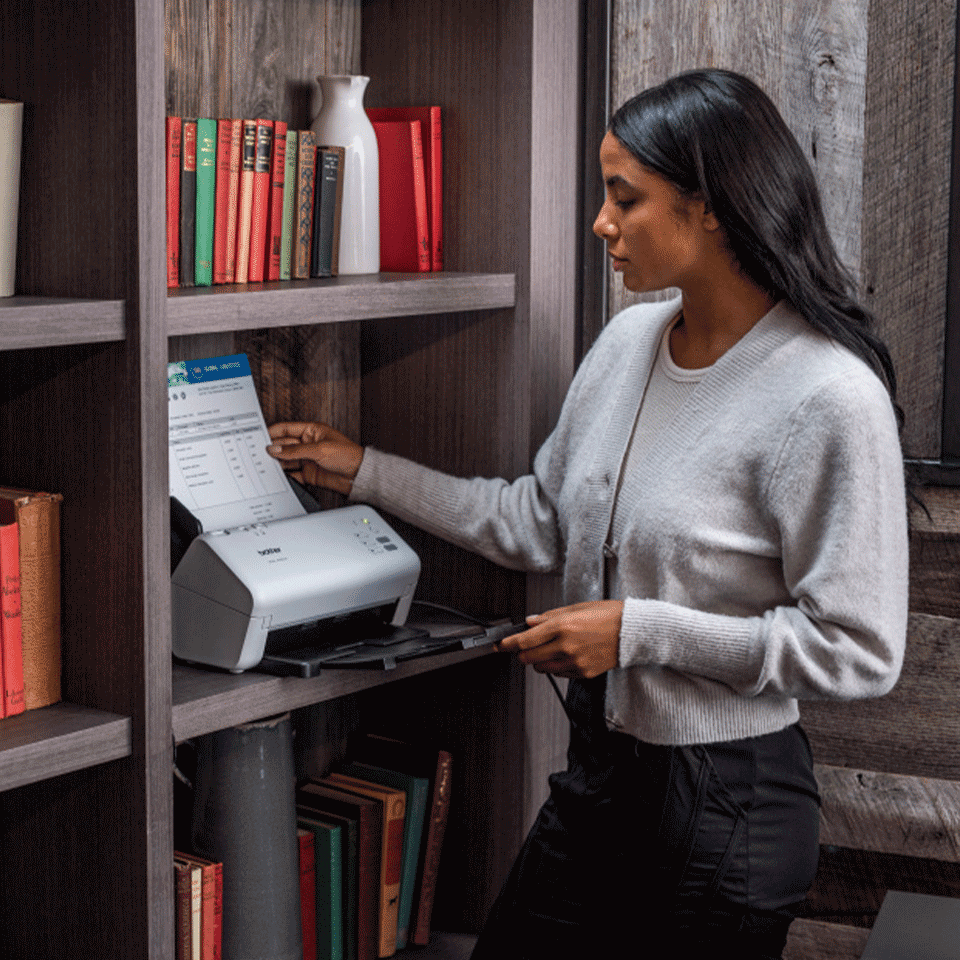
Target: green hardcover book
206 190
328 851
289 203
417 790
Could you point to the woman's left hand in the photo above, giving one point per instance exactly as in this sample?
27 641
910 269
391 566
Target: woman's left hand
578 641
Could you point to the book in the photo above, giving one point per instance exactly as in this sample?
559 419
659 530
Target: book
277 185
11 143
189 906
416 790
328 889
245 201
349 873
11 635
327 207
188 202
436 765
206 190
394 809
303 212
229 147
174 132
308 893
289 202
432 134
260 210
367 814
38 524
211 904
404 239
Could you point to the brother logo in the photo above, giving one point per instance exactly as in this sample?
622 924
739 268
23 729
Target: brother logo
268 551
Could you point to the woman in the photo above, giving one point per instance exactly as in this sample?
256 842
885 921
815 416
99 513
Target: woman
724 494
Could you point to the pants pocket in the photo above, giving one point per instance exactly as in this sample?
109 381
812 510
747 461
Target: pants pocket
701 836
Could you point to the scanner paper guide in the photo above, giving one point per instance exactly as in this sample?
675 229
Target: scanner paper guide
219 468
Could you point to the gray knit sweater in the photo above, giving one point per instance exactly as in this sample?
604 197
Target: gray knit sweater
764 554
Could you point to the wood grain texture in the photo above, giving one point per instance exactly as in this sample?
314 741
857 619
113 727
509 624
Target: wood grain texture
341 299
906 187
816 940
48 322
208 700
915 729
809 57
58 739
257 58
890 813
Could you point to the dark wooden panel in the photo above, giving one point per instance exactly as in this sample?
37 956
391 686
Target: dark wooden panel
257 58
906 185
915 729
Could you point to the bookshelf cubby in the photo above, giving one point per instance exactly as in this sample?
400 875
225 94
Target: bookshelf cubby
463 370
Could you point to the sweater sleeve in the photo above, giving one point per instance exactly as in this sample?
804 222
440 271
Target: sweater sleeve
512 524
837 497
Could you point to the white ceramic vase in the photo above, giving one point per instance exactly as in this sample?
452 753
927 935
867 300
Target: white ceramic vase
343 122
11 124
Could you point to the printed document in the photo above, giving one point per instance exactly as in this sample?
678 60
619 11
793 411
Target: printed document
219 468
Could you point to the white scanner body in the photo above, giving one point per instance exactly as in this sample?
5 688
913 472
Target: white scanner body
233 587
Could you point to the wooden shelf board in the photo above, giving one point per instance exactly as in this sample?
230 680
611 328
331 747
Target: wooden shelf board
27 322
61 738
209 700
222 309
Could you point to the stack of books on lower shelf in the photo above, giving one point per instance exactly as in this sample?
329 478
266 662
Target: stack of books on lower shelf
370 836
199 907
30 601
376 828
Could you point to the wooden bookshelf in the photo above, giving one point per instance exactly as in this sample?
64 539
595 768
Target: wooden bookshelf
58 739
208 700
463 370
192 310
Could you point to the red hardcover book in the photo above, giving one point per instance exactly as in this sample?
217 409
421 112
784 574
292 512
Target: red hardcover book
404 230
211 905
229 144
277 186
308 893
248 157
432 134
11 634
173 134
260 211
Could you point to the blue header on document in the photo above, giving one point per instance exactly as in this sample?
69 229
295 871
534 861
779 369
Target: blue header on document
204 371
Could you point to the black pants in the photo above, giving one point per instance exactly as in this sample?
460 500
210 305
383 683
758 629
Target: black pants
653 851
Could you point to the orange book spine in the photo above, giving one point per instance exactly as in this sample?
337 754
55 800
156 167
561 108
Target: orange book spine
11 627
173 134
277 187
261 201
245 200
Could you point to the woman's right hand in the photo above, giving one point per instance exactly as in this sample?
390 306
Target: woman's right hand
316 454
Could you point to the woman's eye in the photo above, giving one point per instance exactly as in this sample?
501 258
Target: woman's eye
624 204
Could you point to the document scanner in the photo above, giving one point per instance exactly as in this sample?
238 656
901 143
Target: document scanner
236 590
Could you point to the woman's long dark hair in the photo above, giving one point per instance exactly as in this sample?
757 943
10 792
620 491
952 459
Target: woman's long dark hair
716 135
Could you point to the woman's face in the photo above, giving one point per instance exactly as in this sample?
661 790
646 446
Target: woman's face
656 237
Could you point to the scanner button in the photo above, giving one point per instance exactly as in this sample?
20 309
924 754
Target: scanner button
391 546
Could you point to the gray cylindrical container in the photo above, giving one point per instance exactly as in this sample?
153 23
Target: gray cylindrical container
244 815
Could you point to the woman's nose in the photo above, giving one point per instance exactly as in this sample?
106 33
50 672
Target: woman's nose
603 227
